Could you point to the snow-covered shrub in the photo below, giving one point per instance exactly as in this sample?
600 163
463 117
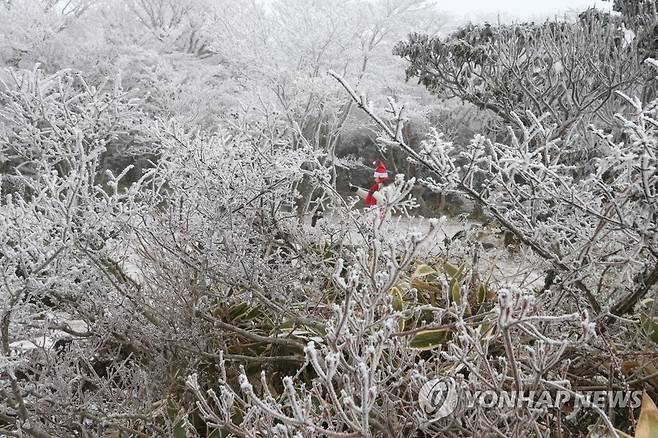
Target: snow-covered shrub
41 118
60 209
197 301
511 68
599 232
597 237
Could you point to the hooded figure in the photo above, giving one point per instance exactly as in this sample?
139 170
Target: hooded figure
378 194
381 175
374 195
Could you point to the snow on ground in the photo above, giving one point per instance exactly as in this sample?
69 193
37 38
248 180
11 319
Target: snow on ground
500 265
48 341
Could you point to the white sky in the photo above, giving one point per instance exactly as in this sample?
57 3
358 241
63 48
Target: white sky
519 9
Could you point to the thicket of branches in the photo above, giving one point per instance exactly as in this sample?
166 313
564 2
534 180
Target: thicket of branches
186 294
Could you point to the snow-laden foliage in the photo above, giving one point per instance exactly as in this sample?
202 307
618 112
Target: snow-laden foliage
564 70
205 280
599 231
57 219
190 294
195 300
597 235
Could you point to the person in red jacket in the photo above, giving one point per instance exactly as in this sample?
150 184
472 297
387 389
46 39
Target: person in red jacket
381 176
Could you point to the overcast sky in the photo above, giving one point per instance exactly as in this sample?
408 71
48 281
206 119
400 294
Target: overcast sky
523 9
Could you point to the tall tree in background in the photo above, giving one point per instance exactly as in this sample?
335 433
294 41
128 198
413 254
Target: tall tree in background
641 11
282 52
565 72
